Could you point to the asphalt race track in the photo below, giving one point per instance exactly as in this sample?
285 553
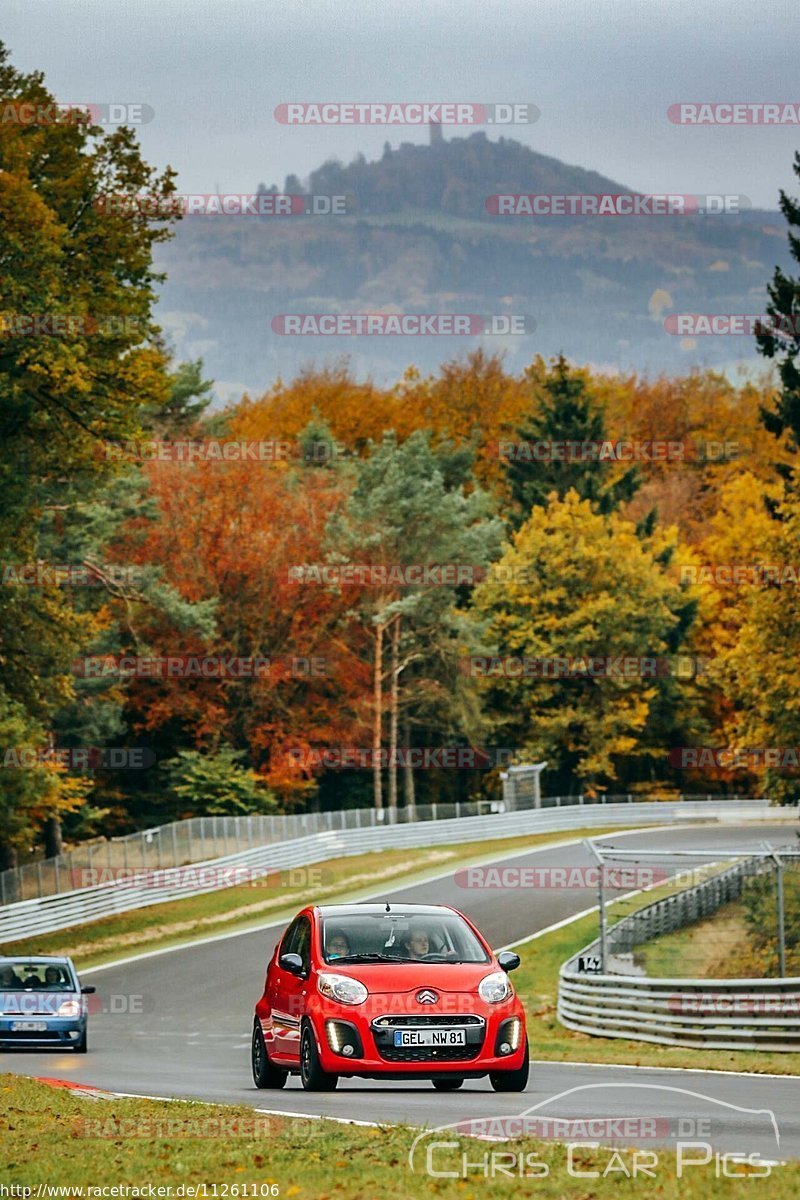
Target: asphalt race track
193 1038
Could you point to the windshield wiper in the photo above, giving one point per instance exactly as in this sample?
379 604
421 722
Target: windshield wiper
443 958
348 958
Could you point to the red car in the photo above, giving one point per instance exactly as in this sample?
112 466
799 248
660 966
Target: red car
388 991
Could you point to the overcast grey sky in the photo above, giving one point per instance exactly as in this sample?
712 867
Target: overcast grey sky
602 72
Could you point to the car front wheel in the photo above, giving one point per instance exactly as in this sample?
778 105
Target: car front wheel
512 1081
312 1076
264 1074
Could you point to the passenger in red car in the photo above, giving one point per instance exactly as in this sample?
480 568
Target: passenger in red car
338 945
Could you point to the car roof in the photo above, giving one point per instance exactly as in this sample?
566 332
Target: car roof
35 958
354 910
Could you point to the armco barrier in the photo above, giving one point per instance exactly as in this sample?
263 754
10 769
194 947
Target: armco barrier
714 1014
30 917
198 839
718 1014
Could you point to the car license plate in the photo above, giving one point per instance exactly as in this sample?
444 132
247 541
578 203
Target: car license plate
429 1037
29 1026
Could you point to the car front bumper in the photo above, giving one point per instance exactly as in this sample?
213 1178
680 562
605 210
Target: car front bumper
59 1032
375 1054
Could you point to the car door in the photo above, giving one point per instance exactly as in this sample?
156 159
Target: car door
289 991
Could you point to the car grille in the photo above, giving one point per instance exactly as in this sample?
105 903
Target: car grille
425 1019
428 1053
27 1035
383 1032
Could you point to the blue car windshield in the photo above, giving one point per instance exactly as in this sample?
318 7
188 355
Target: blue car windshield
38 975
400 937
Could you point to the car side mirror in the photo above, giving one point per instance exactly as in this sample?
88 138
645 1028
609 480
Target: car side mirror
88 991
507 960
292 963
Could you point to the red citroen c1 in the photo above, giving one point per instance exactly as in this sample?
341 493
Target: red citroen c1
388 991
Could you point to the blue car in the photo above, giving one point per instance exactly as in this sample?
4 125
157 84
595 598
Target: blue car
42 1004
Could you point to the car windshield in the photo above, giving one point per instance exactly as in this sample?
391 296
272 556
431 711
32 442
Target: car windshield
41 976
442 937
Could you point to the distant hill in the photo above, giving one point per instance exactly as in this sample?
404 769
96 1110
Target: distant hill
420 240
452 177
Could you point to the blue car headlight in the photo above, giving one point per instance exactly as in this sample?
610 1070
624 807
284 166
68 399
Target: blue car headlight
69 1008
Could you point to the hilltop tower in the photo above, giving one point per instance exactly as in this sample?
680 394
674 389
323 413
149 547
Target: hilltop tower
435 135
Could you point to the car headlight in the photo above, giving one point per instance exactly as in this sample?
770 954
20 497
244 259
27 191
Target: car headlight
342 988
69 1008
495 987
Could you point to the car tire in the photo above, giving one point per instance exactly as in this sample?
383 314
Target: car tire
265 1075
312 1076
82 1044
512 1081
447 1085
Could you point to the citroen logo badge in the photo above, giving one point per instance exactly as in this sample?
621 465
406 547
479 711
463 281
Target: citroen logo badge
427 996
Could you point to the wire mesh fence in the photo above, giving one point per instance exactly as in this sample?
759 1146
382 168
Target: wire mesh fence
198 839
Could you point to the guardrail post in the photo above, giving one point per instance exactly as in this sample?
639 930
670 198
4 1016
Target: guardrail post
602 903
781 920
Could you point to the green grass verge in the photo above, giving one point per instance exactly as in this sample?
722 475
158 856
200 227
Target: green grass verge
276 898
714 948
536 980
50 1137
719 947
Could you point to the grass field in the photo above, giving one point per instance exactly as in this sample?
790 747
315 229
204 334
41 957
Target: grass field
719 947
58 1138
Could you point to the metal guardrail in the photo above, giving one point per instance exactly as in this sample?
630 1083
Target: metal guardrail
719 1014
198 839
48 914
728 1014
